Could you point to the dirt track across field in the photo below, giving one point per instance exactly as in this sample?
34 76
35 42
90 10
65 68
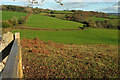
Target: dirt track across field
44 29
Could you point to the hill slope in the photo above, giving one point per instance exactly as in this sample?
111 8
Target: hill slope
88 36
40 21
6 15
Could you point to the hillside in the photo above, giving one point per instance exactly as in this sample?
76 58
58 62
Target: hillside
88 36
40 21
7 15
54 60
77 45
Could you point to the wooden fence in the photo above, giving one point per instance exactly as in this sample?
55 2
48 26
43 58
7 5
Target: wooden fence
13 67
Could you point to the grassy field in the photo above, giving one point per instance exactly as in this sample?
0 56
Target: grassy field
96 19
6 15
59 12
112 16
114 22
52 60
40 21
110 21
60 16
68 12
66 54
88 36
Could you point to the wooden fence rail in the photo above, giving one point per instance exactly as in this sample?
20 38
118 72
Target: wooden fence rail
13 67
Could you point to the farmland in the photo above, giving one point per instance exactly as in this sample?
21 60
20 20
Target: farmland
72 53
6 15
112 16
110 21
88 36
60 12
55 60
67 54
40 21
96 19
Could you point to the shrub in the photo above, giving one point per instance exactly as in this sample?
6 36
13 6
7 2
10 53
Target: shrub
52 15
66 16
21 20
51 12
6 24
14 21
118 27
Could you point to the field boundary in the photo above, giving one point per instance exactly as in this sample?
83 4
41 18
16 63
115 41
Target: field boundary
45 29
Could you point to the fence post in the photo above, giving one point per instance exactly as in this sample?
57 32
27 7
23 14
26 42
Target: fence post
13 67
20 70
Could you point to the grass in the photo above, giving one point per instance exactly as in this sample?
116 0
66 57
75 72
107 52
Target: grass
96 19
112 16
6 15
40 21
110 21
88 36
52 60
59 12
65 12
114 22
61 16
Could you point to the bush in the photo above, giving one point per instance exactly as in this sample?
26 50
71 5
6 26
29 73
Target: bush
21 20
6 24
14 21
51 12
52 15
118 27
66 16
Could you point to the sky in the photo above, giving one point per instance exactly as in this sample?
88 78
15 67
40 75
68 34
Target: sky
107 6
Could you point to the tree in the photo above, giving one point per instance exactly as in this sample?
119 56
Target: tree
51 12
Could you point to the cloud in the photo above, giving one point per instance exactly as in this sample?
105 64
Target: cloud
74 4
69 5
90 0
94 5
63 0
112 9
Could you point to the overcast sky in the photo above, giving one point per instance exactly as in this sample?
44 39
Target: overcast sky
108 6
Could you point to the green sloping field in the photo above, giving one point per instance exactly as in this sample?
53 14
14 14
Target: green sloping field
88 36
96 19
6 15
40 21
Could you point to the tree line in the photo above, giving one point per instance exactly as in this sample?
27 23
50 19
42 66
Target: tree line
82 17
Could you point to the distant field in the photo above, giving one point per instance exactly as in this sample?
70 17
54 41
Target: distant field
40 21
96 19
6 15
63 12
114 21
60 12
88 36
112 16
61 16
111 21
